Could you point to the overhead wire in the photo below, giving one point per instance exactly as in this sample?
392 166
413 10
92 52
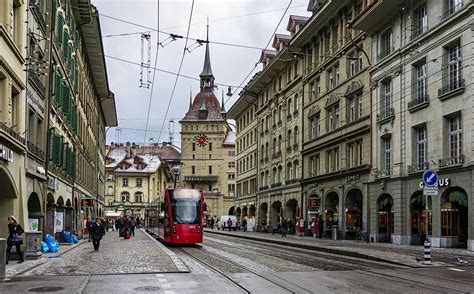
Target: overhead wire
180 66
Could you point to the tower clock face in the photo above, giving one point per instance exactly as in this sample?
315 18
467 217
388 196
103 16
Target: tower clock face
201 140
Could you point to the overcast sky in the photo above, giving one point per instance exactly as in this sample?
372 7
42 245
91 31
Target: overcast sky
242 22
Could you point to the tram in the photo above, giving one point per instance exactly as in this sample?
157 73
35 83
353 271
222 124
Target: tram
178 219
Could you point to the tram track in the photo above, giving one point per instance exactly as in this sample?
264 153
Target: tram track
273 280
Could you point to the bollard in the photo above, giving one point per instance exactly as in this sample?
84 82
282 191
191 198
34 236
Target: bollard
334 232
427 252
3 257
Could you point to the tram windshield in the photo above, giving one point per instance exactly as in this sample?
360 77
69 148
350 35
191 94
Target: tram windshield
186 211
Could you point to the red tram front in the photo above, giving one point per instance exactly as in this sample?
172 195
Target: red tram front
181 216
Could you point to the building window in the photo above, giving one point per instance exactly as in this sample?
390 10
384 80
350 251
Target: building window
139 182
125 182
138 197
231 153
455 139
314 127
210 169
421 147
386 99
421 82
231 164
110 190
231 188
193 170
194 146
387 155
231 176
454 67
421 19
454 6
210 146
386 44
333 117
125 197
332 163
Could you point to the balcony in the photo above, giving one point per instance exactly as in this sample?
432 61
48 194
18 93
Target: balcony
34 78
274 126
452 161
261 134
379 11
385 114
418 103
384 53
451 11
200 179
35 150
263 188
416 168
383 173
275 185
417 31
292 181
452 89
9 131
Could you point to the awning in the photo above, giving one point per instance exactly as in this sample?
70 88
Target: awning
112 213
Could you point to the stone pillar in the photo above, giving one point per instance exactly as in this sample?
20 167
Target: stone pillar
33 245
341 224
436 221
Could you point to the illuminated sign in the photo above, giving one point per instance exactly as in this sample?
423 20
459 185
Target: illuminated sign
6 154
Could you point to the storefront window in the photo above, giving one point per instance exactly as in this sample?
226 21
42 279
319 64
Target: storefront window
352 220
418 215
454 215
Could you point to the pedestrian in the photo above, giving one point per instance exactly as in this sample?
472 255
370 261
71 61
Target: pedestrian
320 226
119 225
229 224
15 238
315 227
212 223
126 226
284 227
244 224
139 222
88 226
97 232
133 224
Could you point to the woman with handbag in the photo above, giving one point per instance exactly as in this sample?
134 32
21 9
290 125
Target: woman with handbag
15 232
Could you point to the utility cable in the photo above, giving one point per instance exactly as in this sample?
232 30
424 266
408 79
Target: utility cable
154 69
179 69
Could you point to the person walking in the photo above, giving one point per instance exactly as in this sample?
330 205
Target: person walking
284 227
212 223
244 224
15 238
126 226
229 224
320 227
133 224
119 225
315 227
97 232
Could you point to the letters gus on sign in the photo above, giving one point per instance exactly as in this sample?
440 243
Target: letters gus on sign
441 183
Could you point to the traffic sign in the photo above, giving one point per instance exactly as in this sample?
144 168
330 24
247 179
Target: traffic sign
430 178
430 191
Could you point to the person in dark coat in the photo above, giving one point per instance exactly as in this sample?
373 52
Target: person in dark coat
284 227
15 232
212 223
97 232
320 226
127 224
119 224
244 224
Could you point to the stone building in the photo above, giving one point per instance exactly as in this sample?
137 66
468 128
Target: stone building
208 147
422 112
13 103
135 178
335 117
82 105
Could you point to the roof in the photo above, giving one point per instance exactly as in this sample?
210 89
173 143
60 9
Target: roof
267 53
115 156
294 20
207 70
229 138
166 153
145 163
280 37
207 99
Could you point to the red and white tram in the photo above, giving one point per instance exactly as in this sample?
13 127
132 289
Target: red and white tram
178 219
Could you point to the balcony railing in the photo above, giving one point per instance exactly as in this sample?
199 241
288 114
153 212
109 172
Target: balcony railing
202 179
386 52
35 150
263 188
12 133
37 81
452 87
385 114
295 113
418 32
274 126
292 181
275 185
451 11
39 17
452 161
383 173
279 123
418 167
418 102
261 134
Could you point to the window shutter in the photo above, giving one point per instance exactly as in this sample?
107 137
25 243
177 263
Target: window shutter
56 152
66 99
59 28
58 90
65 44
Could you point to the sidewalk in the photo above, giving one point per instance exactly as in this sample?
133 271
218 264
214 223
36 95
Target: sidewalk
14 268
383 252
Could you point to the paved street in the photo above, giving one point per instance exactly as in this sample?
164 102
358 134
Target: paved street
225 264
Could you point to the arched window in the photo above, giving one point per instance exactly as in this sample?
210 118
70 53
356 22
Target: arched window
289 171
274 147
279 143
138 197
125 196
295 107
288 139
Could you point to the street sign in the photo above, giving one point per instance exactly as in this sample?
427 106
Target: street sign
430 178
430 191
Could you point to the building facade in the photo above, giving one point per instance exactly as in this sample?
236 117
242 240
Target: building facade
422 104
13 103
336 118
208 147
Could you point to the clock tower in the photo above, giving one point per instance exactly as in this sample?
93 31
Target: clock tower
208 146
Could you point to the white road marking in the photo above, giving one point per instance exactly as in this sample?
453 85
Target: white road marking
166 286
168 292
162 280
456 269
160 275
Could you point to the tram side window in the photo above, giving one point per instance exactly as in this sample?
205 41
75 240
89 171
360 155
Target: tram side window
166 219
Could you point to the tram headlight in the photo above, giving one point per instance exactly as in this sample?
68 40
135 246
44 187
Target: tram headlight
199 229
174 229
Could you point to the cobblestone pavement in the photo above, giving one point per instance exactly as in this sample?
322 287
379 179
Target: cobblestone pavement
406 255
140 254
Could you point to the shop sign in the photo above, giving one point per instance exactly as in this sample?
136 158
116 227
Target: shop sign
440 183
53 184
58 221
6 154
351 178
88 202
33 224
314 202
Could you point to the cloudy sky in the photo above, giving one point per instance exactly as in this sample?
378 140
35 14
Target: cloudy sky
239 22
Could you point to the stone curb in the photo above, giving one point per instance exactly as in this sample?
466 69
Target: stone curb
316 248
45 260
182 268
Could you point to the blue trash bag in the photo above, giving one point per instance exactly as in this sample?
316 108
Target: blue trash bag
44 247
49 239
67 237
74 239
53 247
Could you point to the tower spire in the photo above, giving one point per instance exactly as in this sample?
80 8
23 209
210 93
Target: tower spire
207 78
222 103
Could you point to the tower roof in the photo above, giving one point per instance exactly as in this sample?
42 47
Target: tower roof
207 70
204 100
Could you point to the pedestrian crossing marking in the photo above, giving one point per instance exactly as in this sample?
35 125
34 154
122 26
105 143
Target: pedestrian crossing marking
456 269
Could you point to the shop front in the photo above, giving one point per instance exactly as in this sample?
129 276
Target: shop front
353 212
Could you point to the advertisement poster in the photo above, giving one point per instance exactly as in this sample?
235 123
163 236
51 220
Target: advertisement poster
58 221
33 224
